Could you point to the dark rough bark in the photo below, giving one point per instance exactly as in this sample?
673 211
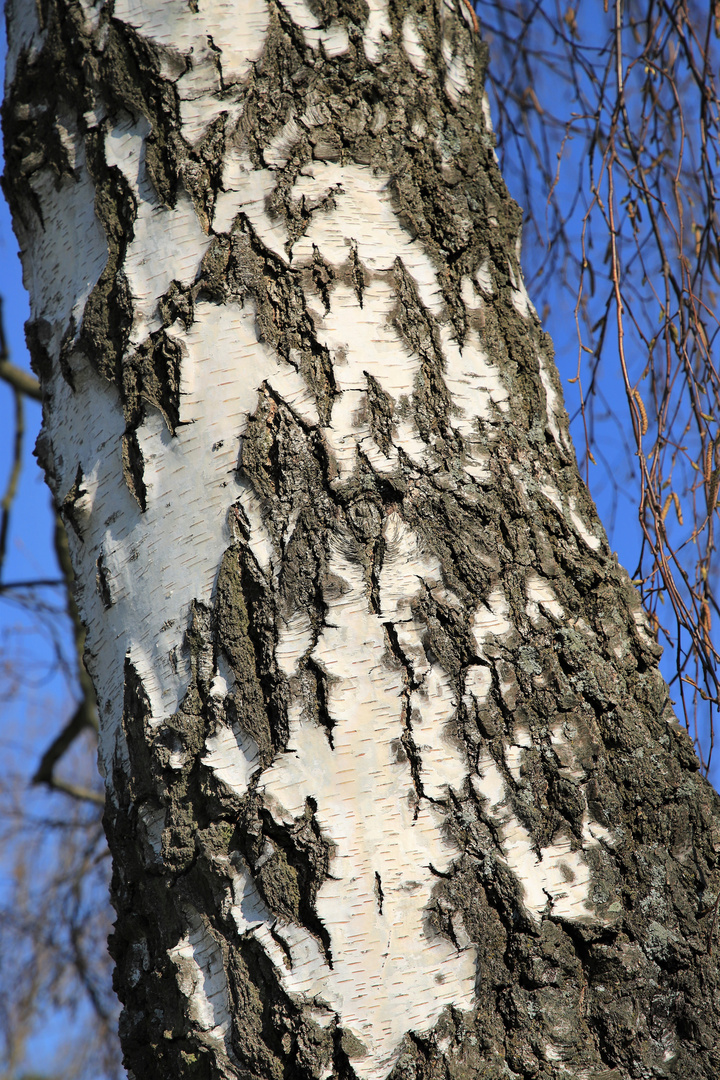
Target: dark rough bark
630 993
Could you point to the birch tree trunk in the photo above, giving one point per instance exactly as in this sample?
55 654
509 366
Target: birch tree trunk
394 785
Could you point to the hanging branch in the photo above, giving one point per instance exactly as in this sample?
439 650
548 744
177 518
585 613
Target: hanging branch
637 246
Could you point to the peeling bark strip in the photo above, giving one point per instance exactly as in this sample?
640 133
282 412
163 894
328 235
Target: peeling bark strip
394 785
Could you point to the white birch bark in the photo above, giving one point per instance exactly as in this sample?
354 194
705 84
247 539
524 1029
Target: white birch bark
358 641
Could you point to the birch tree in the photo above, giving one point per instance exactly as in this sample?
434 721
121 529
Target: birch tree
393 783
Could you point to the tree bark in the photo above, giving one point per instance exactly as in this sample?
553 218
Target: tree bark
394 785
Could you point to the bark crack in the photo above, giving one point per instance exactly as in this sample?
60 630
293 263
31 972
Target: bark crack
379 894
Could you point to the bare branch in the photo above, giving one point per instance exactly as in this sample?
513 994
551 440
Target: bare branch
83 718
20 380
14 478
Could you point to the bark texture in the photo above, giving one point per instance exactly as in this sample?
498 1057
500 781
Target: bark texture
394 786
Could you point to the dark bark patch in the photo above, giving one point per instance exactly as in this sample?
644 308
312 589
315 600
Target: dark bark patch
178 303
133 466
69 505
418 331
380 412
307 854
108 313
103 582
287 466
358 273
152 377
317 693
37 336
278 884
323 276
201 170
131 72
244 620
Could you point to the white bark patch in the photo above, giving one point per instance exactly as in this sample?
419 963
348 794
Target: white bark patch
260 543
363 215
643 629
247 908
405 564
377 27
540 595
223 681
491 618
199 90
484 279
557 878
201 979
247 191
456 52
334 39
87 429
238 36
300 13
287 381
478 392
472 379
433 706
168 242
58 281
522 740
487 114
523 304
478 680
390 973
459 72
154 821
374 347
593 542
570 514
412 43
233 756
190 480
554 405
294 640
469 294
553 495
156 563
